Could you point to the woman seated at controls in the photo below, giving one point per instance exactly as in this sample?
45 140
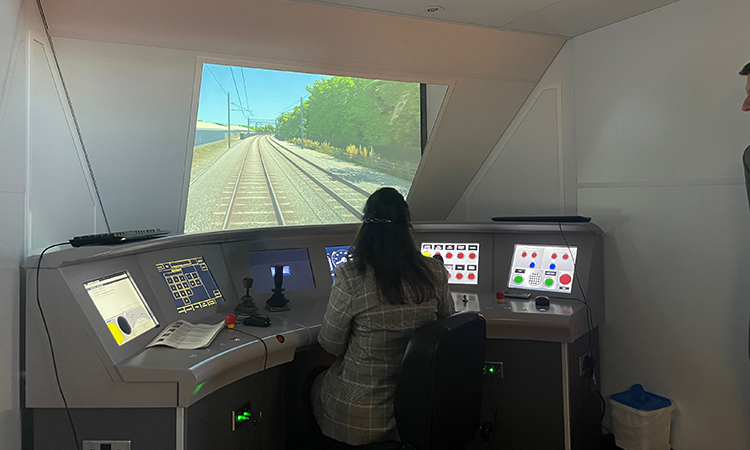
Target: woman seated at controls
380 297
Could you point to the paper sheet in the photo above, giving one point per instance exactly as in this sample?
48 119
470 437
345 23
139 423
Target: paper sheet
187 336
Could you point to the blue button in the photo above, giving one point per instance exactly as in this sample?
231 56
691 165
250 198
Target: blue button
532 265
552 266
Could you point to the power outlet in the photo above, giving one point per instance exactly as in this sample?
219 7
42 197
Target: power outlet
106 445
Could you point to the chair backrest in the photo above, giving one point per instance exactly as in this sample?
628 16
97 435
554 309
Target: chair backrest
439 389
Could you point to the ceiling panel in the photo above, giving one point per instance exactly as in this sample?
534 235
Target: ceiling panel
574 17
566 18
486 13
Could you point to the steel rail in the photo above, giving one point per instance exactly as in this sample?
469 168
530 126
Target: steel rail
355 212
330 174
276 207
234 192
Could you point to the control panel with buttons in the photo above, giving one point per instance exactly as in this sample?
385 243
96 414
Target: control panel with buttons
543 268
461 260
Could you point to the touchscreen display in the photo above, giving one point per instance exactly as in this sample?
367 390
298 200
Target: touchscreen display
543 268
190 283
337 256
295 268
460 258
121 305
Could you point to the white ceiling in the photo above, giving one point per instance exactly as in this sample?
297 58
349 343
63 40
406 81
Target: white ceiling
566 18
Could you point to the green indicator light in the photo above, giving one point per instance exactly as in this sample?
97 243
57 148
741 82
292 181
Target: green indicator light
518 279
198 388
548 281
492 369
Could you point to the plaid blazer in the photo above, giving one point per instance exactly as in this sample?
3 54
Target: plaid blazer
353 399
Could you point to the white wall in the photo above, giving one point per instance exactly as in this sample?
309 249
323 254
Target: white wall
532 168
13 107
659 139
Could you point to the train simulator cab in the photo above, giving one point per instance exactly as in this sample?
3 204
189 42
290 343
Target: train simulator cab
109 307
182 184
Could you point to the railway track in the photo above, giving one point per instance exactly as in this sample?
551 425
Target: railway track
351 196
275 186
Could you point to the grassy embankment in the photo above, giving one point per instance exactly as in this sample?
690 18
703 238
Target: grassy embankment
362 156
207 154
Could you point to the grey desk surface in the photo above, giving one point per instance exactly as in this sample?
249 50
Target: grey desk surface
234 354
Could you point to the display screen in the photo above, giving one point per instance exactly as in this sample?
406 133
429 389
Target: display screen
297 271
337 256
121 305
276 148
543 268
285 271
190 283
461 260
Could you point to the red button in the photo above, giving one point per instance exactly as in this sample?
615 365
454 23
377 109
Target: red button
565 279
436 253
460 255
449 275
524 254
472 255
472 276
565 256
554 255
533 255
449 255
280 338
459 276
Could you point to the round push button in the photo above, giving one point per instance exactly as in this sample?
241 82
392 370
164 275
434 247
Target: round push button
533 255
518 279
472 276
532 265
472 255
449 255
460 255
565 256
548 282
524 254
554 255
459 275
565 279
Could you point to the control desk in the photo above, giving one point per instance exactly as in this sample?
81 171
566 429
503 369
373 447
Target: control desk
103 305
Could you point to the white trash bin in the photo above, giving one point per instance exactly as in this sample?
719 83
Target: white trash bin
641 420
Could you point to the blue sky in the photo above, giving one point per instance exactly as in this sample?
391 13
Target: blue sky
269 92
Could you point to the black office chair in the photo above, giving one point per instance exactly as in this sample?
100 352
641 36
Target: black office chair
439 390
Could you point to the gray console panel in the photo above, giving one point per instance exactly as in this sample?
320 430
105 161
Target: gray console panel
96 372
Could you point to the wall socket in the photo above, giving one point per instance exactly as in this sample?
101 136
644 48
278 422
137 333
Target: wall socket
106 445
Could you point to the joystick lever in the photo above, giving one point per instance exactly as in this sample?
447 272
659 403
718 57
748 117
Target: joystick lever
246 307
278 302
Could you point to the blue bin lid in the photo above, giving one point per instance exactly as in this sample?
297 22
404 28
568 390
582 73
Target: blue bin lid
637 397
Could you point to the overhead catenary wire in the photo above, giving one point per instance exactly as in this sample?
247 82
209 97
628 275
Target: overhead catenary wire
244 85
217 80
73 114
239 97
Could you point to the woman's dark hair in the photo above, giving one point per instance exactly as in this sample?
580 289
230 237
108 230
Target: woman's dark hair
385 245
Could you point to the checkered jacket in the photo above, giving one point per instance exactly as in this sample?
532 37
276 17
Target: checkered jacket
353 399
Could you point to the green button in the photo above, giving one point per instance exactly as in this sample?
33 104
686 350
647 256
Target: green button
518 279
549 281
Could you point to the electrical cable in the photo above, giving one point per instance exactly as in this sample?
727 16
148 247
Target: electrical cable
239 97
256 423
244 85
590 326
73 114
217 80
49 339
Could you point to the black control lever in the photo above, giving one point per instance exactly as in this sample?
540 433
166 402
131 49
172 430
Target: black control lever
278 302
246 307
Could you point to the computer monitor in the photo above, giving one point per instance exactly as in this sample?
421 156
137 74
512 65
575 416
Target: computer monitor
296 269
543 268
337 256
121 305
461 259
191 284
